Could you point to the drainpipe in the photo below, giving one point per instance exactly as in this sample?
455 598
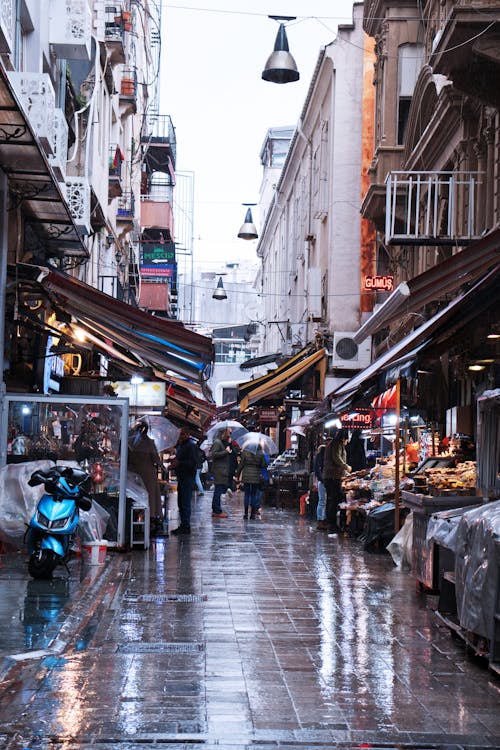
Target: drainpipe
4 196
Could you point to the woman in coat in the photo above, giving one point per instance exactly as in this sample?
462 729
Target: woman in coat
250 471
220 457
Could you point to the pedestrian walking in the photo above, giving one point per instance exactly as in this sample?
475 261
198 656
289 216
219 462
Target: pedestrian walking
335 466
234 458
220 455
184 465
250 470
200 459
318 462
144 460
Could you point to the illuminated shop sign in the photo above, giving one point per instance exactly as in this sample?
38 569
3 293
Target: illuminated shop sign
361 419
380 283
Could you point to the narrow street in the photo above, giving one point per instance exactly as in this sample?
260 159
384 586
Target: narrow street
244 634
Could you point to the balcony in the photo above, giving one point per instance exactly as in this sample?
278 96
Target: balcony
114 33
78 198
156 211
431 208
386 160
160 144
60 150
465 49
7 25
115 171
125 211
36 95
128 89
70 24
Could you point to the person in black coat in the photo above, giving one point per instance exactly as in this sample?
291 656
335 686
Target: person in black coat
355 451
184 465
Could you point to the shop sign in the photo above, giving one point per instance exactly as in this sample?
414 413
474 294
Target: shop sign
161 252
142 394
165 270
268 416
361 419
379 283
53 368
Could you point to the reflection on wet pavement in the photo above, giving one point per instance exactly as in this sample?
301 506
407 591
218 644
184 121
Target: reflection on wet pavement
263 633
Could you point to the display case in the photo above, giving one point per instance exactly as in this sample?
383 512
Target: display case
91 431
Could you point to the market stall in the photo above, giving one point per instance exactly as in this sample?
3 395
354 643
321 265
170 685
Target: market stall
91 431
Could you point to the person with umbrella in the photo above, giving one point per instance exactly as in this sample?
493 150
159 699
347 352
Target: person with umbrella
250 470
144 460
220 455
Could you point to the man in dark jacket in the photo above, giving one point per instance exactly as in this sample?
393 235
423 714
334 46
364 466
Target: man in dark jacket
184 465
335 466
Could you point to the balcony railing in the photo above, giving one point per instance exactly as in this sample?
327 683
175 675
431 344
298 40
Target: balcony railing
431 208
115 170
125 208
70 29
36 94
78 197
7 25
59 159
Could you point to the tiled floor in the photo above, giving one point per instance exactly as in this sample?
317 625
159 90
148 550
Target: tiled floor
244 634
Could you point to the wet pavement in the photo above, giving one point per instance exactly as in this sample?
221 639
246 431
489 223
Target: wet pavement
246 634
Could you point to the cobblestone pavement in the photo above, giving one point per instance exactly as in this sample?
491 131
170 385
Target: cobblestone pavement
245 634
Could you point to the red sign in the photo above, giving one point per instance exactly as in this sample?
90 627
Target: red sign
380 283
268 416
361 419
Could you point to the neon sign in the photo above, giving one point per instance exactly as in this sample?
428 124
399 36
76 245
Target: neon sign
380 283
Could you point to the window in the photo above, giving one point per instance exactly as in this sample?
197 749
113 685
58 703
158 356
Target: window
410 61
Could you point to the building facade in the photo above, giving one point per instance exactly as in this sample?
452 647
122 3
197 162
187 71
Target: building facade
314 246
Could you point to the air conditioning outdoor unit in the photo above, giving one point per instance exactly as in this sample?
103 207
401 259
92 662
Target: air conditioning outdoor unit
347 354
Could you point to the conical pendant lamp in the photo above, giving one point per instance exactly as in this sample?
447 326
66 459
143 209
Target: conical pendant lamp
280 66
219 291
248 230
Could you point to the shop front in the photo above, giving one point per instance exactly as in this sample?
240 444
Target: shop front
90 432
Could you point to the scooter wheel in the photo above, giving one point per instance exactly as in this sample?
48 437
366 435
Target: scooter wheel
42 563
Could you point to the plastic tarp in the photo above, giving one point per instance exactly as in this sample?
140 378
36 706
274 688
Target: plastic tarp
400 548
476 568
18 502
442 527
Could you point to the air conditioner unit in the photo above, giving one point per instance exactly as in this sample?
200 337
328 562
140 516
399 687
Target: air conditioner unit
348 355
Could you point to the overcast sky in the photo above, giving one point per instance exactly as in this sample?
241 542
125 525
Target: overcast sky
213 56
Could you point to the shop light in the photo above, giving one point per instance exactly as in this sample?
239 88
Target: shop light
136 379
493 336
476 368
79 334
333 423
25 409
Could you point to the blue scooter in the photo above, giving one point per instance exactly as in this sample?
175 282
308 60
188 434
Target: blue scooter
54 522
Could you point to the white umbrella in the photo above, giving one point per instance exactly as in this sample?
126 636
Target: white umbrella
237 429
252 441
164 432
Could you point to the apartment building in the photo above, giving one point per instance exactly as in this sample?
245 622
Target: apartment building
87 165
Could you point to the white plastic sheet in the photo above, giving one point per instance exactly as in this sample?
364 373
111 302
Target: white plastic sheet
17 499
400 548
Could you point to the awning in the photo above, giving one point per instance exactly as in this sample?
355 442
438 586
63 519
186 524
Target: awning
274 382
186 409
164 345
31 179
154 296
446 277
449 321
